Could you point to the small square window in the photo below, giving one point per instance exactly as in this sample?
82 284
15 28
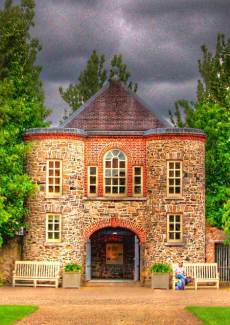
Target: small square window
53 228
174 228
174 179
137 181
54 177
92 180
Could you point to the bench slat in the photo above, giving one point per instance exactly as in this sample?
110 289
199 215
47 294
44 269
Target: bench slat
36 271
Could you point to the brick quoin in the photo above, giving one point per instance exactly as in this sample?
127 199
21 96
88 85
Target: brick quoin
115 222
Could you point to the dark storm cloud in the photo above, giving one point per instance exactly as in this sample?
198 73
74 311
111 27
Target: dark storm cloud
72 32
159 40
169 34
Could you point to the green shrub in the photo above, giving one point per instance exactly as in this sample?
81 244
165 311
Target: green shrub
72 267
160 268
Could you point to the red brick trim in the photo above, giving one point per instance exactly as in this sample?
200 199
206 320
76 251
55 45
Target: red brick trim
31 137
43 136
116 222
113 146
191 137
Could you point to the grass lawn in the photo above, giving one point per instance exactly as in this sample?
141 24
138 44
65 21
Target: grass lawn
9 314
211 315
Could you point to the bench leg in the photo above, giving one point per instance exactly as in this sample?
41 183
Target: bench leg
173 285
13 284
35 283
195 285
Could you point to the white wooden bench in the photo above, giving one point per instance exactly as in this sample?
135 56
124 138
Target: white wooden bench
27 273
200 273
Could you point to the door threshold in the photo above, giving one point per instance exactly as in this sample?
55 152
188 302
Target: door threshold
112 283
111 280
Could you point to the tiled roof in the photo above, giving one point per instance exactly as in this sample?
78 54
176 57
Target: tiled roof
114 107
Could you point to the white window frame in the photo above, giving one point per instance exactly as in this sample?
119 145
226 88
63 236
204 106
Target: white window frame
174 195
169 240
104 177
55 194
89 183
141 184
53 240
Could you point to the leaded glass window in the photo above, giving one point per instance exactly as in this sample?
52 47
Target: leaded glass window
115 173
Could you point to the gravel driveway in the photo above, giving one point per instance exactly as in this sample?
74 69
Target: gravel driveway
112 305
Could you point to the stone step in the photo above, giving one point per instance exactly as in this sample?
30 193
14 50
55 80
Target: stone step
112 283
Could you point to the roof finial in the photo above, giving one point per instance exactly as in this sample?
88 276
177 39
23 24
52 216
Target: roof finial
115 74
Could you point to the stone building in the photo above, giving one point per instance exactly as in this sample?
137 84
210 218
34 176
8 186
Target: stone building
116 189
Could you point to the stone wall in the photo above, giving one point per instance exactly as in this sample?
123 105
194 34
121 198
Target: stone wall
69 204
9 253
146 216
191 204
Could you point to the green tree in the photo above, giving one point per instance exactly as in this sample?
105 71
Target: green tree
211 113
92 78
212 87
214 120
21 107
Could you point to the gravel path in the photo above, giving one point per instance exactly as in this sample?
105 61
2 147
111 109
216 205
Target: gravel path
112 305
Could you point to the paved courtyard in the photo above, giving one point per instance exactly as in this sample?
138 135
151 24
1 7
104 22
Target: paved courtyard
112 305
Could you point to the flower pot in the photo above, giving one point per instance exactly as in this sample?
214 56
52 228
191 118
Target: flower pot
71 280
160 281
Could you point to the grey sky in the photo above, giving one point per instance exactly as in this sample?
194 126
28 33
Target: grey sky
159 40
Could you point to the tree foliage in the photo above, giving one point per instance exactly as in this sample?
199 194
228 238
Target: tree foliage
93 77
21 107
211 113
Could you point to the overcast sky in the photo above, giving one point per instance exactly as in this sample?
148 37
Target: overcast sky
159 39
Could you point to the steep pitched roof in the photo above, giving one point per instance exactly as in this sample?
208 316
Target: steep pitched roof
114 107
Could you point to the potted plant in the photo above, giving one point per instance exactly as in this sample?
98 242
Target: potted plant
160 275
72 276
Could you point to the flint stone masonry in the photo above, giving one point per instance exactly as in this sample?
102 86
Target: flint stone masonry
190 205
146 216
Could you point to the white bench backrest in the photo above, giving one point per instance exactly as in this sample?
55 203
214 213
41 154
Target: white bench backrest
207 271
199 270
37 269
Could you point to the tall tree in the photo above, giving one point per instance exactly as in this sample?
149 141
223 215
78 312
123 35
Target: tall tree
21 107
212 87
211 113
92 78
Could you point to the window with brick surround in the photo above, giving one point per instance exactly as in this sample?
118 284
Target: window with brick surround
137 181
174 228
53 228
115 173
174 178
92 180
54 177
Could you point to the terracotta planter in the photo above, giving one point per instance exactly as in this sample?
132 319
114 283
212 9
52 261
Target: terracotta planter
160 281
71 280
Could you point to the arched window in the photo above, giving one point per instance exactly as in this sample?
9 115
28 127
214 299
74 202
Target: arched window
115 173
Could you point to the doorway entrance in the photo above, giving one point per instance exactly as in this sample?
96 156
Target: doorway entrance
113 254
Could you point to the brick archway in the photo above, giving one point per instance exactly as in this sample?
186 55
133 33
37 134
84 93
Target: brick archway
115 222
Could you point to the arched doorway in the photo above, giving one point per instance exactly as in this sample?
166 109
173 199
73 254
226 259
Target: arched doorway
113 253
